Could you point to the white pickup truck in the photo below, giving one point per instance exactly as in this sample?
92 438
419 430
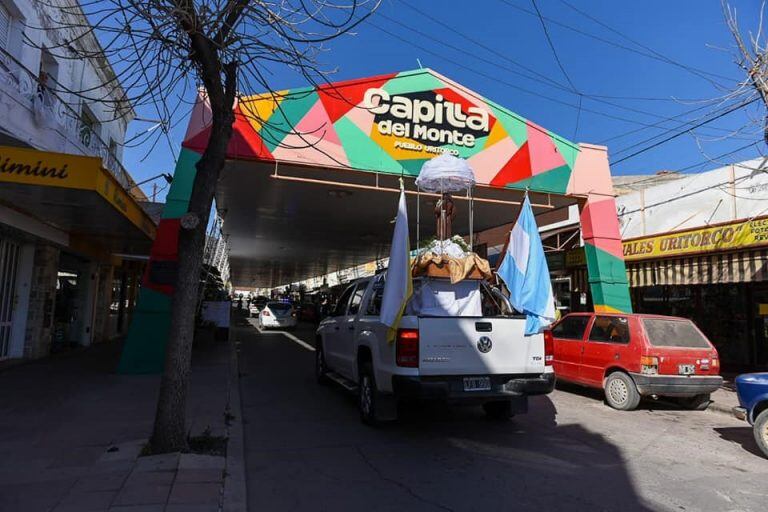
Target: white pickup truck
454 344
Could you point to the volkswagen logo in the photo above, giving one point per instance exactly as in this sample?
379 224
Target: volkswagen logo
484 344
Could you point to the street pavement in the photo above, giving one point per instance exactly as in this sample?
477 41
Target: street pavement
306 449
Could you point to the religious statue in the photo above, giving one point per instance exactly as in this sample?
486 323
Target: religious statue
444 215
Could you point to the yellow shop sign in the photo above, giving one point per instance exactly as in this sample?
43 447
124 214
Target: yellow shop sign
750 233
33 167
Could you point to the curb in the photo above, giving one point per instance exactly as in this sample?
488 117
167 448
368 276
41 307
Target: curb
720 408
234 498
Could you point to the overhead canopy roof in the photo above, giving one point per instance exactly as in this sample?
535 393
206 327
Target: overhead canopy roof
282 230
299 194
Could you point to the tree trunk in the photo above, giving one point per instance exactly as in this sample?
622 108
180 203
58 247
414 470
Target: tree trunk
169 433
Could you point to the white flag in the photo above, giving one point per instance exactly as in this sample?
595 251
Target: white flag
398 286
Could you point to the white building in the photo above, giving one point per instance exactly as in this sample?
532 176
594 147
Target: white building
70 221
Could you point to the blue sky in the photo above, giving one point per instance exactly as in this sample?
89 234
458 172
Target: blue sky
451 37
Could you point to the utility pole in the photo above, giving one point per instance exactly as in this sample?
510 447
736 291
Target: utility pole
154 191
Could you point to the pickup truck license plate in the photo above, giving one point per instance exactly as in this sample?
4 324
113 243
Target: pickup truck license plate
477 383
686 369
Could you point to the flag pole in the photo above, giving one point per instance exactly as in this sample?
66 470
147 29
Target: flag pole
418 217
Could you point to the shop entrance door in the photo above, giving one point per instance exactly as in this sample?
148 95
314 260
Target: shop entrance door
9 259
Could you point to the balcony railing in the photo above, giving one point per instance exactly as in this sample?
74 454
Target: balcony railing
51 111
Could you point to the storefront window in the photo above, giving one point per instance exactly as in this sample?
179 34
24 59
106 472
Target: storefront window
724 320
720 311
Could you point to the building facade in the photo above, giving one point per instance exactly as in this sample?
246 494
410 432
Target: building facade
72 231
697 247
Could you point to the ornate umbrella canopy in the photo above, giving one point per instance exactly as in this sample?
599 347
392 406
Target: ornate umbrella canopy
446 173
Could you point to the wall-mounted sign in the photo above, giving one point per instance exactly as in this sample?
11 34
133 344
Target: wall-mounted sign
428 119
60 170
575 258
752 233
33 167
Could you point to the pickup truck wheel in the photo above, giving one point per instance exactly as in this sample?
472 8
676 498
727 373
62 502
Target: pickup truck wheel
500 410
621 392
695 403
760 430
320 367
367 395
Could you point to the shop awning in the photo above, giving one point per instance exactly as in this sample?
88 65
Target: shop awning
722 268
78 196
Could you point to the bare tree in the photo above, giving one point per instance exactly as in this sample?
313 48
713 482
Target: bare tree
162 51
752 57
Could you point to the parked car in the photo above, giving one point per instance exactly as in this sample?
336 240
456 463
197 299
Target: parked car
257 305
631 356
277 314
752 389
444 349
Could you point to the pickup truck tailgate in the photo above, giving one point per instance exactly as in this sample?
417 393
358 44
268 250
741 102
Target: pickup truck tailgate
478 346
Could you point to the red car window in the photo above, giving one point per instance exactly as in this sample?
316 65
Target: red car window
610 329
571 328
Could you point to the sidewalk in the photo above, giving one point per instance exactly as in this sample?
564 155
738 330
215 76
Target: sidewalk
71 431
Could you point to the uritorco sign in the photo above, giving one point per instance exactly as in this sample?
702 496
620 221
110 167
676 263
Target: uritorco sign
426 117
737 235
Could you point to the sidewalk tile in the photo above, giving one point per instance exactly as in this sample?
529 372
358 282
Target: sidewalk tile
166 461
109 466
143 494
192 508
86 501
150 478
138 508
110 481
199 475
128 450
42 495
77 456
196 461
195 494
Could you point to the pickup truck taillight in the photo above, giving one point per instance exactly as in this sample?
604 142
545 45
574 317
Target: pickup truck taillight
549 348
407 348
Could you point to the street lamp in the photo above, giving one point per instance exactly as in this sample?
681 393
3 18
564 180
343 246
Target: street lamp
168 178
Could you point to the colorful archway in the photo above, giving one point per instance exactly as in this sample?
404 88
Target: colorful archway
389 124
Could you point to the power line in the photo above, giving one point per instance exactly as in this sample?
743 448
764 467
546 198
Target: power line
682 170
708 115
561 66
552 47
549 83
690 69
496 79
658 124
659 143
432 18
641 45
552 83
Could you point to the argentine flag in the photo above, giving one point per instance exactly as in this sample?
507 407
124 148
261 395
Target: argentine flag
524 270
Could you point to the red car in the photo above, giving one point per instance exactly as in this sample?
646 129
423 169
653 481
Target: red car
630 356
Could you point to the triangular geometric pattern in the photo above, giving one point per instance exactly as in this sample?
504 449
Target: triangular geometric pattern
341 97
393 124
